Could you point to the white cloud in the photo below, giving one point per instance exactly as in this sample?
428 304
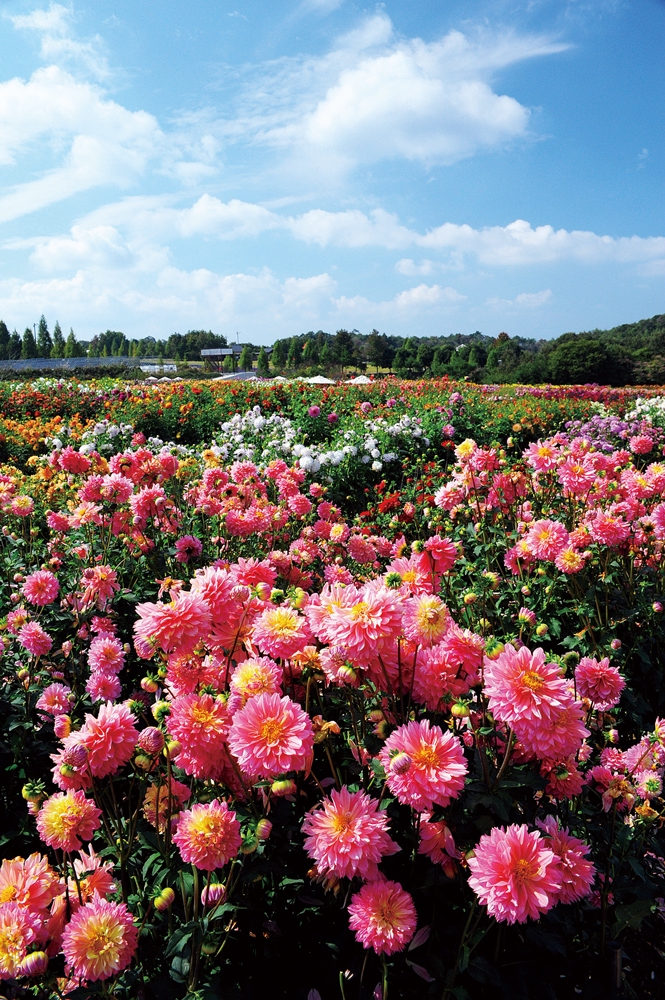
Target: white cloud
376 97
525 300
58 40
410 302
410 269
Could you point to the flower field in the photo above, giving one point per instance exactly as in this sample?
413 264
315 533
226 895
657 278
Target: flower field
343 692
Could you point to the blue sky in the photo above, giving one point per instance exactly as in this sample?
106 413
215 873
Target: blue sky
271 167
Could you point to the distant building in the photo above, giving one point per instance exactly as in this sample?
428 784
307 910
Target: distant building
215 356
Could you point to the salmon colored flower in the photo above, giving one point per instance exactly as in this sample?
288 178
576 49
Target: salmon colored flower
19 927
208 835
175 627
200 724
599 682
40 588
100 940
271 735
110 739
162 803
33 638
281 632
383 917
31 883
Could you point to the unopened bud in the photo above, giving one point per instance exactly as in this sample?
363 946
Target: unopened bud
470 598
263 591
164 900
67 771
283 786
149 684
460 710
213 894
151 740
542 630
23 674
76 755
143 762
401 763
160 710
33 964
249 845
263 829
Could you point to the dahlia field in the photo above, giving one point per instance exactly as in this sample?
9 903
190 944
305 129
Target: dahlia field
349 693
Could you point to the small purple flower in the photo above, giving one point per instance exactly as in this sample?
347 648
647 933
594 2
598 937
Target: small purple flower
366 406
332 418
449 431
314 411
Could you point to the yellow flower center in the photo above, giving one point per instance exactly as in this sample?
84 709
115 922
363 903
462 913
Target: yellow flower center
532 680
359 610
341 822
271 730
11 949
283 623
524 870
202 715
103 947
8 893
425 756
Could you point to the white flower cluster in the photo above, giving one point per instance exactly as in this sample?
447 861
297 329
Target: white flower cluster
652 409
261 439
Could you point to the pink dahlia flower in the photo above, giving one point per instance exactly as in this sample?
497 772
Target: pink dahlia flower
200 724
56 699
599 682
424 765
281 631
103 687
515 873
19 927
439 678
110 739
437 843
523 689
561 737
258 675
99 940
369 626
383 917
425 619
66 819
443 553
31 883
175 627
208 835
33 638
577 874
106 655
40 588
188 547
546 538
271 735
347 835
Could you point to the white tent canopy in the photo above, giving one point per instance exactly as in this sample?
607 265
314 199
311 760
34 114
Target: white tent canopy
319 380
359 380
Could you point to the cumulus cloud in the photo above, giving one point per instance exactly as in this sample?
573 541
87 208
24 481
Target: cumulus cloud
376 96
409 302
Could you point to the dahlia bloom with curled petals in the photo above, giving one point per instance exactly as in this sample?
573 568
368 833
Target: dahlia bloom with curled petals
439 678
175 627
515 873
56 699
110 738
33 638
258 675
208 835
66 819
438 843
19 927
40 588
577 874
271 735
599 682
347 835
369 626
383 917
200 724
106 655
424 765
99 940
546 538
281 632
523 690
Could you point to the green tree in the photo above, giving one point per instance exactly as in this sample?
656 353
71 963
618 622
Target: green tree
262 365
227 364
4 341
14 347
245 360
58 349
72 347
345 348
29 346
278 356
294 356
44 342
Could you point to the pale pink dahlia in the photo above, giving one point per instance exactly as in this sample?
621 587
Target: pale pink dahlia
383 917
271 735
439 678
258 675
31 883
106 655
577 874
40 588
347 835
66 819
56 699
175 627
425 619
369 626
424 765
599 682
110 738
200 724
515 873
281 632
208 835
99 940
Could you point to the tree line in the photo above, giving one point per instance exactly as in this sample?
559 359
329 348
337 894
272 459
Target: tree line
631 354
